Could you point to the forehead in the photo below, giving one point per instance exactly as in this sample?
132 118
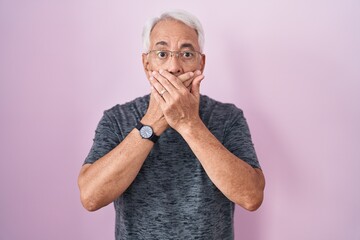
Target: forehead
174 33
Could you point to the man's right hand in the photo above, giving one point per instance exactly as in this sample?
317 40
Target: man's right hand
154 115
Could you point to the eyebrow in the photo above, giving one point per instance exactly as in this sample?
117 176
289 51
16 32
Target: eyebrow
184 45
162 43
187 45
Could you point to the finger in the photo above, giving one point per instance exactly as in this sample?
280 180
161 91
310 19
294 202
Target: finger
195 88
157 97
187 83
157 86
164 82
176 82
186 76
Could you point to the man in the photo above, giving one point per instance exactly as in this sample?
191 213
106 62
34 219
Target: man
173 162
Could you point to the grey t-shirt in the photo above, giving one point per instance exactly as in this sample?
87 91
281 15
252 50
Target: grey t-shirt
172 197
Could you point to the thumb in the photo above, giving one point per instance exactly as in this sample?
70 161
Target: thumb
195 87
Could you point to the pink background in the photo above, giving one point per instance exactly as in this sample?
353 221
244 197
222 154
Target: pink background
292 66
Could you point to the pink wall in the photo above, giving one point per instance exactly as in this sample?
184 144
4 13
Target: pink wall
292 67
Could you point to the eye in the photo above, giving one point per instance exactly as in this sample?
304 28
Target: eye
162 54
187 55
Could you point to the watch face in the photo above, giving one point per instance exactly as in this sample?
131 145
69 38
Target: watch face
146 132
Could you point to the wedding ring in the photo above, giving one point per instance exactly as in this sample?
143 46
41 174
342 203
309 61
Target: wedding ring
163 92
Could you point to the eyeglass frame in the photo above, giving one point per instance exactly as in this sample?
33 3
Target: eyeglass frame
176 53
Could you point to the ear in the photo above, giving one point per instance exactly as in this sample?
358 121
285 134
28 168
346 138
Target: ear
146 64
202 63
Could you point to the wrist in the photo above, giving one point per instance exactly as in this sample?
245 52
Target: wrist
191 129
158 125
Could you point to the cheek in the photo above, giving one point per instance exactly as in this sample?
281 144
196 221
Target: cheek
154 67
192 68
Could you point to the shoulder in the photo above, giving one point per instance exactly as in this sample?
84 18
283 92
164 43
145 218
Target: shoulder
136 107
214 107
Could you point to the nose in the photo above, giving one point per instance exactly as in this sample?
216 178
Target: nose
174 65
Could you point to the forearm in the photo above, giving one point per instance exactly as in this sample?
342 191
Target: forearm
103 181
236 179
106 179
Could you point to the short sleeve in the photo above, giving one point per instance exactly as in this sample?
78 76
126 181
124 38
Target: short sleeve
104 141
237 138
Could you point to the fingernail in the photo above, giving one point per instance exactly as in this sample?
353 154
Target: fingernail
191 74
197 72
161 71
151 78
153 73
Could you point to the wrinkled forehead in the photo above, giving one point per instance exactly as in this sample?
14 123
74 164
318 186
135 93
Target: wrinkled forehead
173 34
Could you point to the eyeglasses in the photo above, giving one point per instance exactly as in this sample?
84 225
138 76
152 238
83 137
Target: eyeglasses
186 57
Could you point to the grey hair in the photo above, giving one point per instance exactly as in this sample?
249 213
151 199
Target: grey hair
179 15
